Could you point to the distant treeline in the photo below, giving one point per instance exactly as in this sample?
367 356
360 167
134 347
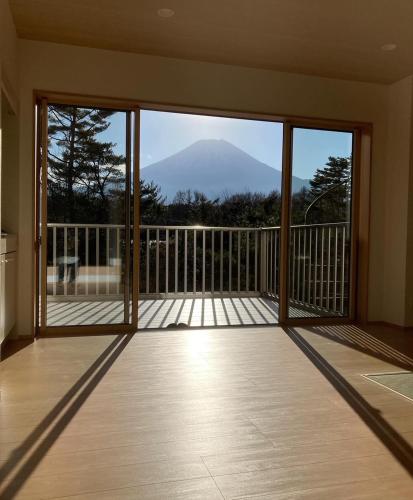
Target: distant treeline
327 200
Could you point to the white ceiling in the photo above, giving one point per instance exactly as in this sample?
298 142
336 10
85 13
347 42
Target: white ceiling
333 38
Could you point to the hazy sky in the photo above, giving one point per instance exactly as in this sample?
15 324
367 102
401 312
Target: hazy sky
163 134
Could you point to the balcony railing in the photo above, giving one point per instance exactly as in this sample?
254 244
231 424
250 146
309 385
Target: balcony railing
319 267
208 260
181 261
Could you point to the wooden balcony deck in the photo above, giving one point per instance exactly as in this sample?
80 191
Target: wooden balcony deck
160 313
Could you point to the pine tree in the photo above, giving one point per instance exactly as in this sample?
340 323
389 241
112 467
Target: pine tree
83 171
299 203
152 203
330 192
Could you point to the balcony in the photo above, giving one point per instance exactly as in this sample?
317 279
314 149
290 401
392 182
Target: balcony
195 275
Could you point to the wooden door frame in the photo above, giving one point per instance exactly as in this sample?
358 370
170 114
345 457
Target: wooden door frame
359 223
41 328
360 200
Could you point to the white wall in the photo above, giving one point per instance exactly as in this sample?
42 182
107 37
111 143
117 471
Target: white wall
97 72
9 205
8 66
8 62
8 47
397 198
409 252
408 210
8 98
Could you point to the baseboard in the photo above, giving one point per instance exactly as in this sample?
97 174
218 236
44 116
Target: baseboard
387 324
10 345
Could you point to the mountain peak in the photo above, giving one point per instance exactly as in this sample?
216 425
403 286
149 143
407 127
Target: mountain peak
220 148
214 167
213 143
209 141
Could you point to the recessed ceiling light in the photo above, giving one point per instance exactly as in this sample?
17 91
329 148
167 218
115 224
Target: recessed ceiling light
388 47
166 13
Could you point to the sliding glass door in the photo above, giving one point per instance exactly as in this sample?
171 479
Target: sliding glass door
86 217
217 240
320 224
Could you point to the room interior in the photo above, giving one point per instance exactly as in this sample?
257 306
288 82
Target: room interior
150 358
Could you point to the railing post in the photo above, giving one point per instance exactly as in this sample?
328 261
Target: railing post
230 261
157 263
194 267
247 262
263 261
212 261
148 256
87 259
167 262
176 260
185 260
275 257
221 263
56 273
118 259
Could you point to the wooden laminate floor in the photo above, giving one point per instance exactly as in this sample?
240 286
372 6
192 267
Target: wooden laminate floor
255 412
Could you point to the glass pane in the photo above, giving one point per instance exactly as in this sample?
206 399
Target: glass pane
210 216
87 203
319 258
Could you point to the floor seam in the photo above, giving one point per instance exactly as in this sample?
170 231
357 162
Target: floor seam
350 459
140 485
334 483
212 477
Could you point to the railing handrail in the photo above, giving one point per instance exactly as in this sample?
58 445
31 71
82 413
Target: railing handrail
197 228
152 226
69 224
206 228
322 224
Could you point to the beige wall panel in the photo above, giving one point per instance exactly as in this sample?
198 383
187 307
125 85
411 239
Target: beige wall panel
72 69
